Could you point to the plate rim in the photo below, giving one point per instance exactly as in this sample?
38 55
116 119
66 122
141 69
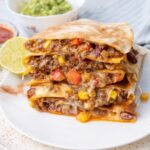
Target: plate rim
64 147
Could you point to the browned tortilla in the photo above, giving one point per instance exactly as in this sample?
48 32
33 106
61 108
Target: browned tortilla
117 35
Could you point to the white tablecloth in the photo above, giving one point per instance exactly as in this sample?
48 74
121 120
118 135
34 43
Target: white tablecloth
13 140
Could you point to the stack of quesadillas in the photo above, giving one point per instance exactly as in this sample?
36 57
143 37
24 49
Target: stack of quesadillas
84 69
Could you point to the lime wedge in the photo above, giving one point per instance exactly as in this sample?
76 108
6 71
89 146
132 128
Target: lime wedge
12 54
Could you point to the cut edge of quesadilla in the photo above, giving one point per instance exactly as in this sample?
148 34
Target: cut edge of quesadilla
85 35
99 78
98 96
123 112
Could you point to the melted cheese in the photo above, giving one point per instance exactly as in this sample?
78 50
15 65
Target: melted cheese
57 91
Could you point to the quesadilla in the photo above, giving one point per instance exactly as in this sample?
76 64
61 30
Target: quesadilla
45 68
101 42
68 100
84 69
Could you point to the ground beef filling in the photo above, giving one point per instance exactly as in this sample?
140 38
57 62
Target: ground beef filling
43 66
50 63
72 46
98 79
98 99
47 64
59 106
55 105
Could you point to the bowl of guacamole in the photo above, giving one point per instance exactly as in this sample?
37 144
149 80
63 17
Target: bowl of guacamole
34 16
45 7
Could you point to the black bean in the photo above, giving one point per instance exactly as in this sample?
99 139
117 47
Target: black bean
126 115
131 58
93 45
45 104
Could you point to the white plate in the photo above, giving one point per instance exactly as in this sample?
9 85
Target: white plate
66 132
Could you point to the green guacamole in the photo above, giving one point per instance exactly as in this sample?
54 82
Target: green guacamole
45 7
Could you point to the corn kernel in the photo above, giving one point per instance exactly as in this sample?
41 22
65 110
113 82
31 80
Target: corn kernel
144 97
113 94
83 95
86 77
47 44
61 60
83 116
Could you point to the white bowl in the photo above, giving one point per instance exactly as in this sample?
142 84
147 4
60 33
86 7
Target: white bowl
32 25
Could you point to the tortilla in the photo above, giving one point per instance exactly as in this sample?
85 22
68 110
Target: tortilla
117 35
59 102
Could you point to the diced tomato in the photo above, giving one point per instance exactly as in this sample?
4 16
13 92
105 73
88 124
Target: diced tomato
57 75
76 41
73 77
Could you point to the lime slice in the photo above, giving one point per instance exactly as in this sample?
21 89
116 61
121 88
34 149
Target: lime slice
12 54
